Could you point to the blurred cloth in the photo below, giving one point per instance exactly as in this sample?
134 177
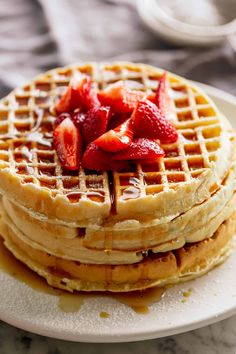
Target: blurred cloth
38 35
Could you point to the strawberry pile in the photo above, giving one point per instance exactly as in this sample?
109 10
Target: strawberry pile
108 129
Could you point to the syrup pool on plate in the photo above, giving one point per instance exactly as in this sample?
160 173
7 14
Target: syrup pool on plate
139 301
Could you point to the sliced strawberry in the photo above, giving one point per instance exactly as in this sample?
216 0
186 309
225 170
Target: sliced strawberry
152 97
91 101
68 144
150 122
120 98
162 95
78 95
116 139
78 119
95 123
140 149
99 160
117 119
60 118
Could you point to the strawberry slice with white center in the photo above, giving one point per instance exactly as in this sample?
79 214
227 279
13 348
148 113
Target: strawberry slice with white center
78 94
150 122
162 98
95 123
68 144
116 139
77 118
97 159
120 98
60 118
140 149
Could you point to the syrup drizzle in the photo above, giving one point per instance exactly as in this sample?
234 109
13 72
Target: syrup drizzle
104 314
140 301
10 265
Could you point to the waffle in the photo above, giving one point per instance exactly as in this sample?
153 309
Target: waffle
31 175
158 223
73 249
195 225
186 263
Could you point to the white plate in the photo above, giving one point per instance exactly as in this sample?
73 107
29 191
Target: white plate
213 299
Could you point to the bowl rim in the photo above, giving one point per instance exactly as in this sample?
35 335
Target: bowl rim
186 28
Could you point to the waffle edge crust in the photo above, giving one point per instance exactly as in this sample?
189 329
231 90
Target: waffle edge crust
186 263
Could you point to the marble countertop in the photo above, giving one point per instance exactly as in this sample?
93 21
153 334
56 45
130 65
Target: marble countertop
219 338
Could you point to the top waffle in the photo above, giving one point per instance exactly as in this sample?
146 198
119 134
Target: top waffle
31 174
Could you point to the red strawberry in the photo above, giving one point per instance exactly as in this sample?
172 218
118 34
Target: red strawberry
140 149
60 118
78 118
67 142
162 95
117 119
116 139
77 95
120 98
150 122
96 159
91 101
95 123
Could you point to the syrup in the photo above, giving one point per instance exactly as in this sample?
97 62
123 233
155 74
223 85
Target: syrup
13 267
71 302
186 294
74 197
104 314
139 301
94 196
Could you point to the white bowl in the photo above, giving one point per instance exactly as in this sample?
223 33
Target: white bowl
179 32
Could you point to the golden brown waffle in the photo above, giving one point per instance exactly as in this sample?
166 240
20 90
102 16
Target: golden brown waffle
126 246
160 269
37 237
31 175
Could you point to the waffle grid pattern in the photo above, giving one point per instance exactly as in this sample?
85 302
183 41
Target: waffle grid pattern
26 122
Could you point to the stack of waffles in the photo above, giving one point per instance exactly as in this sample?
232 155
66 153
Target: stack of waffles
162 222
